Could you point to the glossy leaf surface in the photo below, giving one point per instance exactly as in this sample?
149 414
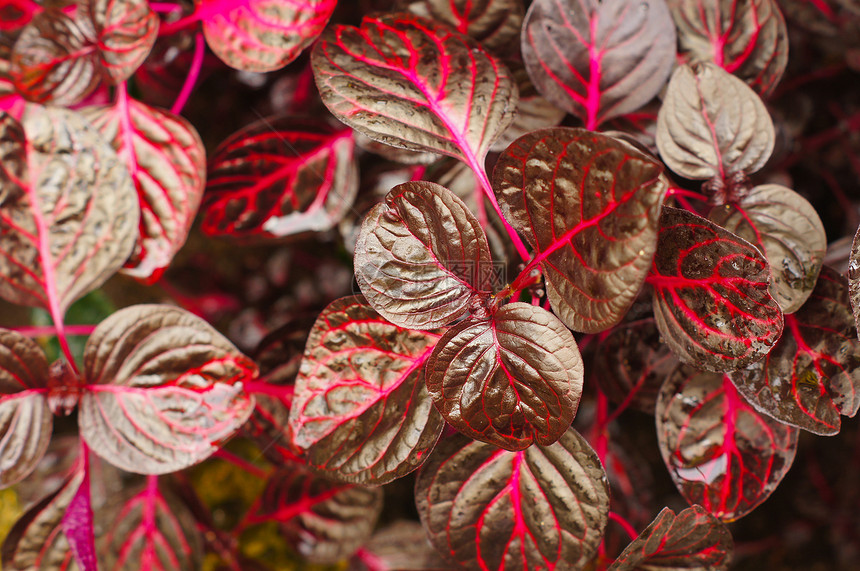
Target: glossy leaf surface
278 177
422 258
165 389
167 162
542 508
361 409
812 376
262 35
711 299
589 206
126 31
786 228
721 453
598 59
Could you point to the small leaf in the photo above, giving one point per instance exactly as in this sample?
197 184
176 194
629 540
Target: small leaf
422 258
712 125
853 274
812 376
361 409
542 508
711 298
599 59
278 177
720 452
126 31
785 227
589 205
165 389
693 539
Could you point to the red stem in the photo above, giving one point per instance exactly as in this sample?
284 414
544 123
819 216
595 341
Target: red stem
628 529
283 392
193 74
245 465
40 330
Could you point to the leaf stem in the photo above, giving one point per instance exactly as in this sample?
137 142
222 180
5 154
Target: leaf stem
164 7
193 74
41 330
169 28
241 463
487 189
628 528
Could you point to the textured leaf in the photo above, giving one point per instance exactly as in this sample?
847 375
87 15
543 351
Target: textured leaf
280 176
126 31
785 227
693 539
400 545
77 522
853 274
416 84
509 379
422 258
68 208
165 389
812 376
720 452
167 162
747 38
711 298
361 409
712 125
589 205
599 59
541 508
262 35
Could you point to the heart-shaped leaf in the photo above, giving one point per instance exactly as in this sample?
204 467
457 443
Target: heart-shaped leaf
542 508
721 452
262 35
126 31
165 389
589 205
599 59
693 539
747 38
361 409
167 162
711 298
422 258
280 176
786 228
812 376
712 125
69 206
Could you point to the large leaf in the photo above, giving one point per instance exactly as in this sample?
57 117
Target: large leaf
599 59
422 258
711 298
167 162
126 31
721 452
261 35
785 227
361 409
280 176
542 508
693 539
589 205
68 207
165 389
812 376
747 38
511 379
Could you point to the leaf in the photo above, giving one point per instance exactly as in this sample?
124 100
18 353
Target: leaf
720 452
25 419
509 379
402 544
278 177
77 522
167 162
813 374
853 274
69 208
541 508
598 59
746 38
261 35
711 298
589 206
361 409
422 259
785 227
712 125
126 31
416 84
165 389
692 539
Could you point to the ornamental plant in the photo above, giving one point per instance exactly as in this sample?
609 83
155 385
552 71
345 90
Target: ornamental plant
422 284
